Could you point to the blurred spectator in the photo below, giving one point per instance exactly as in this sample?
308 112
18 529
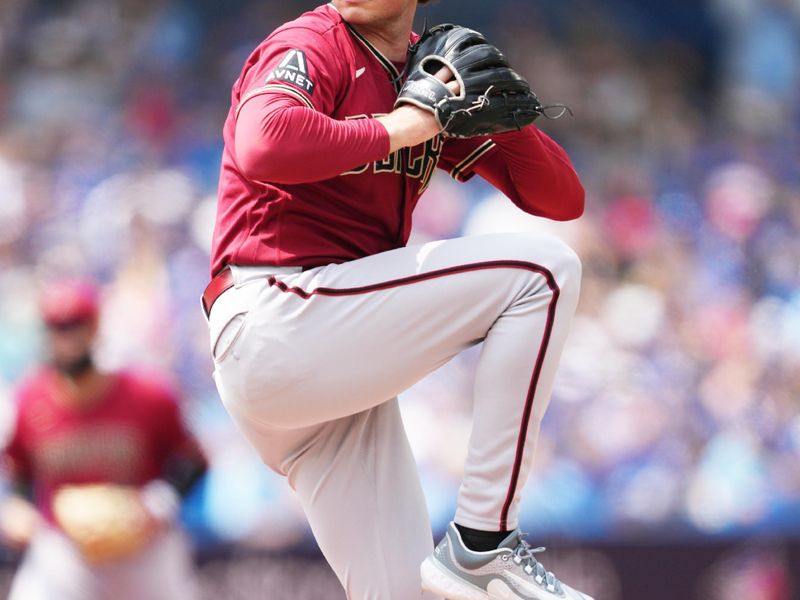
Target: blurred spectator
753 573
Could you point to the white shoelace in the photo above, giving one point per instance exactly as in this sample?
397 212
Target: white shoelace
525 554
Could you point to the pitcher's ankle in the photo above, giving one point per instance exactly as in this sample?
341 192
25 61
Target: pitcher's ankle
481 541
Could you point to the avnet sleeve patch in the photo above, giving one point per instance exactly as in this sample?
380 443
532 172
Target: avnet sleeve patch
294 69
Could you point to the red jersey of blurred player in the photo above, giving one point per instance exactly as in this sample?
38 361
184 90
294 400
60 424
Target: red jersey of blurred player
126 437
75 425
321 62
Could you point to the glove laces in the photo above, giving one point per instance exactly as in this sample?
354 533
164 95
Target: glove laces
557 110
481 102
524 555
478 104
550 111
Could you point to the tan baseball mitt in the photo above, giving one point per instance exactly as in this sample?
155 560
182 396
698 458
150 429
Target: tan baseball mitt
106 522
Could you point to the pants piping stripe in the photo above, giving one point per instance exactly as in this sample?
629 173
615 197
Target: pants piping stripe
543 344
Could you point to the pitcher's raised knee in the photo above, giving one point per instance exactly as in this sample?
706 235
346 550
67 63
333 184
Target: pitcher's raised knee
567 266
550 253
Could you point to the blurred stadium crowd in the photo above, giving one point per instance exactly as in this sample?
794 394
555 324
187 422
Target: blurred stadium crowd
676 407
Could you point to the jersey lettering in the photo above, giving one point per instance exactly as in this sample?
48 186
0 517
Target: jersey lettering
419 167
430 158
106 449
390 164
294 69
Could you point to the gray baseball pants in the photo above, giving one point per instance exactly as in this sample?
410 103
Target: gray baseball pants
310 363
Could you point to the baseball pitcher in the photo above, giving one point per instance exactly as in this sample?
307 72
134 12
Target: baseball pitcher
320 315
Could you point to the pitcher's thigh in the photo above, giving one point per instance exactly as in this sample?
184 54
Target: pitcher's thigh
328 343
366 330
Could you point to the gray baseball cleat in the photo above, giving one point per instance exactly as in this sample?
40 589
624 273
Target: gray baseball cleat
509 573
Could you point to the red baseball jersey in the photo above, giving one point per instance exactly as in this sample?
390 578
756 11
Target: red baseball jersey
126 437
325 65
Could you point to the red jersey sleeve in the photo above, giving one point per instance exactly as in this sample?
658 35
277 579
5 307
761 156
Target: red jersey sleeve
16 459
296 62
527 166
284 132
459 156
180 459
173 438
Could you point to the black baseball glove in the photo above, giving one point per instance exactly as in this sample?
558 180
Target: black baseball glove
493 97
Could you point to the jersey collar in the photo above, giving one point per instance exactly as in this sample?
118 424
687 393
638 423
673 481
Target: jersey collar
388 65
394 74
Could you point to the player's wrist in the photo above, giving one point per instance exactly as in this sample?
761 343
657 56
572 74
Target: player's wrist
161 500
19 521
409 126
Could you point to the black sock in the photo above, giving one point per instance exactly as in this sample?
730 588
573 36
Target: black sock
481 541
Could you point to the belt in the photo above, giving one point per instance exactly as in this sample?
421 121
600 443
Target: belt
222 282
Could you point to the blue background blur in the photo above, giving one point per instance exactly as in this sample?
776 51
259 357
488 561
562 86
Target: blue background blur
675 413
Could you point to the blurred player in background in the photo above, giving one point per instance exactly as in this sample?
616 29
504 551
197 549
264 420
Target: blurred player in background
97 465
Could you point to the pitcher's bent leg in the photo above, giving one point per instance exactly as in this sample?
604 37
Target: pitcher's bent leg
359 487
513 384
